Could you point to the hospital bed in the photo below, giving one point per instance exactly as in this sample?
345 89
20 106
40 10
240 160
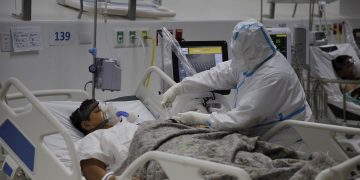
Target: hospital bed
328 102
30 133
23 131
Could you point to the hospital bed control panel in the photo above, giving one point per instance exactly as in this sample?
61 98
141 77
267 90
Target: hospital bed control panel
12 170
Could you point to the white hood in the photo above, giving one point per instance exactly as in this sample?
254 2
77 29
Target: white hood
250 44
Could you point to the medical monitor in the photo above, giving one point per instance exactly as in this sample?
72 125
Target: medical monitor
202 55
282 40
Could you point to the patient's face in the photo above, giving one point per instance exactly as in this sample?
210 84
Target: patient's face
96 117
347 71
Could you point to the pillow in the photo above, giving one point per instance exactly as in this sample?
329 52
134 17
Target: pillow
62 111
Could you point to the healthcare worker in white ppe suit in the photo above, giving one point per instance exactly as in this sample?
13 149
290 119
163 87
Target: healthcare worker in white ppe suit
267 89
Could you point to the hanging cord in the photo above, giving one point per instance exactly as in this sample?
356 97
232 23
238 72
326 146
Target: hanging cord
106 10
87 84
142 43
322 9
81 8
261 11
148 78
311 14
294 11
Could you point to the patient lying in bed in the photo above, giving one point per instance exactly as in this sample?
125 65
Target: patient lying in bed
345 68
97 150
113 148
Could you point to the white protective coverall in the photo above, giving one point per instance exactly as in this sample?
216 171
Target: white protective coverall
111 146
267 89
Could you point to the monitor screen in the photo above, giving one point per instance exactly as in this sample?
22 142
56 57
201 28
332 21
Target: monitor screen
202 55
282 40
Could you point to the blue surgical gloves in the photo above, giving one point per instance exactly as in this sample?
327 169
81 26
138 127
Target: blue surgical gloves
170 95
193 118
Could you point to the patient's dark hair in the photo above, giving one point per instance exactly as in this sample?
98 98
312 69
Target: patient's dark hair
78 115
339 62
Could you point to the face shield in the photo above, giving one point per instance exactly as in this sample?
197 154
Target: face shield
250 44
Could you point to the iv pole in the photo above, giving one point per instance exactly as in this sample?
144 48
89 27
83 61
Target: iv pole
94 47
131 16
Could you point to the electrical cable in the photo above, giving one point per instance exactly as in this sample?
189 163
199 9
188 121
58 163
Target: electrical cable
294 11
87 84
311 14
322 11
81 8
141 41
106 11
261 11
143 46
148 78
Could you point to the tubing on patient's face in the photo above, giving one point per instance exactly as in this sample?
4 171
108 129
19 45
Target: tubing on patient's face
96 117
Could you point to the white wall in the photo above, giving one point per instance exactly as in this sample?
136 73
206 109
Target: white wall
67 66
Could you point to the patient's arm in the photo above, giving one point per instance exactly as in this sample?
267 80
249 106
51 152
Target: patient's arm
347 87
355 92
93 169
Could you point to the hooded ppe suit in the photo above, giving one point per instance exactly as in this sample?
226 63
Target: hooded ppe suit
267 89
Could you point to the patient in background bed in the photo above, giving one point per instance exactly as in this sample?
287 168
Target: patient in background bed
345 68
99 155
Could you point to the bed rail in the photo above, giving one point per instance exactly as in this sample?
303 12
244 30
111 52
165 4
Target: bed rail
22 134
65 94
311 132
147 96
340 171
153 101
179 167
320 96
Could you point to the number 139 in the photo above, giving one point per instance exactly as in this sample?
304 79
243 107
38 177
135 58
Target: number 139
62 36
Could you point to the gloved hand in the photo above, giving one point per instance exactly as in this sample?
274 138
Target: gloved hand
192 118
170 95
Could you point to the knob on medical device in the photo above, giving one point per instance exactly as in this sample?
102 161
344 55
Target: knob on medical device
92 68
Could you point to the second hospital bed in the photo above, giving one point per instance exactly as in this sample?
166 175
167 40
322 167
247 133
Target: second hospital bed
331 103
23 133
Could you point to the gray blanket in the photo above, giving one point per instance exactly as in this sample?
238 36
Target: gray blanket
261 160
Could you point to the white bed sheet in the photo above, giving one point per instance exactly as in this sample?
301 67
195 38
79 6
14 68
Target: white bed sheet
62 111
